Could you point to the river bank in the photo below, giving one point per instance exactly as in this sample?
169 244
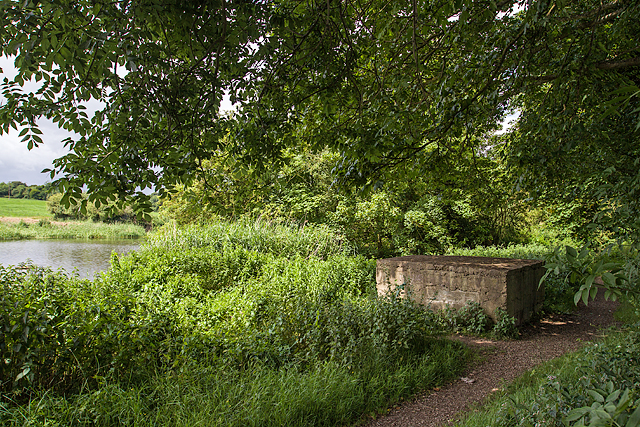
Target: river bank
17 228
30 220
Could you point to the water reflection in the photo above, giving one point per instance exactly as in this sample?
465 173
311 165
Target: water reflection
88 257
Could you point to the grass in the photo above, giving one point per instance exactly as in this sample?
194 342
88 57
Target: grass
24 208
72 230
329 394
233 324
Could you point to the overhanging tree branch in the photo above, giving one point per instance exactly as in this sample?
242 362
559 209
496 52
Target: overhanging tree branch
616 65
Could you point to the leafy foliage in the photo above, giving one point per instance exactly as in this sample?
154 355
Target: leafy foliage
505 326
233 297
404 88
581 269
599 387
399 218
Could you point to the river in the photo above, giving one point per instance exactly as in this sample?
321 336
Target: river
85 256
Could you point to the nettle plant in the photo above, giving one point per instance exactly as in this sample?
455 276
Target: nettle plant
472 319
468 319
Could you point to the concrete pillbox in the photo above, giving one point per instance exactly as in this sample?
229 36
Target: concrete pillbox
510 284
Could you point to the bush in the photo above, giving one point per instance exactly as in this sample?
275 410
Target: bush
110 212
62 333
505 326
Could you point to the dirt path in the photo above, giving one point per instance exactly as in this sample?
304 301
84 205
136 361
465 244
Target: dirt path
505 360
27 220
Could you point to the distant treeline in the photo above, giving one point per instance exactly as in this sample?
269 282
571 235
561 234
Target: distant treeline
20 190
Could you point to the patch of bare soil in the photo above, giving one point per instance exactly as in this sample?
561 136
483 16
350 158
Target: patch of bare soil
504 361
27 220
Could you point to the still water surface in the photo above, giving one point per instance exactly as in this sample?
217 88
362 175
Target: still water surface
88 257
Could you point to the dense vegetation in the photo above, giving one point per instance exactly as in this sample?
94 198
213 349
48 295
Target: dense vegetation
401 217
368 125
244 323
20 190
239 322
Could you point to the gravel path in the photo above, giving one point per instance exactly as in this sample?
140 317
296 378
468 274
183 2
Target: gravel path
505 360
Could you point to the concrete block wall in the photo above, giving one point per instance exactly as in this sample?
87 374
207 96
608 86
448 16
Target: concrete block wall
436 281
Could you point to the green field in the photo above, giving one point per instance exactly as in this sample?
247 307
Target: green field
24 208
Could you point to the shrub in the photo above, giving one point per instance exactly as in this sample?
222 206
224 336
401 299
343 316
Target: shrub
63 333
505 326
470 319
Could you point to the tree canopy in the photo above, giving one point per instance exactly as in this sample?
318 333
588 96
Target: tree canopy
396 87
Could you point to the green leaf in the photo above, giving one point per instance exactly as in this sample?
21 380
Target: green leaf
576 414
585 297
596 396
613 396
23 374
584 252
609 279
634 419
610 266
576 297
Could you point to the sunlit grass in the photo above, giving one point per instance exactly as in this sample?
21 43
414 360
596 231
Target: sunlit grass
71 230
24 208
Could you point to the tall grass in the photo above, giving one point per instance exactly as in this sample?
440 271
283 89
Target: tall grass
256 235
230 324
328 395
71 230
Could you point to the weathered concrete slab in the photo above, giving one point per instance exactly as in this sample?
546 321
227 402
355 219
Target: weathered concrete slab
436 281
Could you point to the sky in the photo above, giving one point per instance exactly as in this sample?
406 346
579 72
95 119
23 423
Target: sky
17 163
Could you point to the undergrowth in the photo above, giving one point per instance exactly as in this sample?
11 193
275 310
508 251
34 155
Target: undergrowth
471 319
231 324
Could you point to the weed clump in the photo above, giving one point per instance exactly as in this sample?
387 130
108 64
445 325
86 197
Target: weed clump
472 319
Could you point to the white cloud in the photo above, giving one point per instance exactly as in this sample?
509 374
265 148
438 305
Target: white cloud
17 163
